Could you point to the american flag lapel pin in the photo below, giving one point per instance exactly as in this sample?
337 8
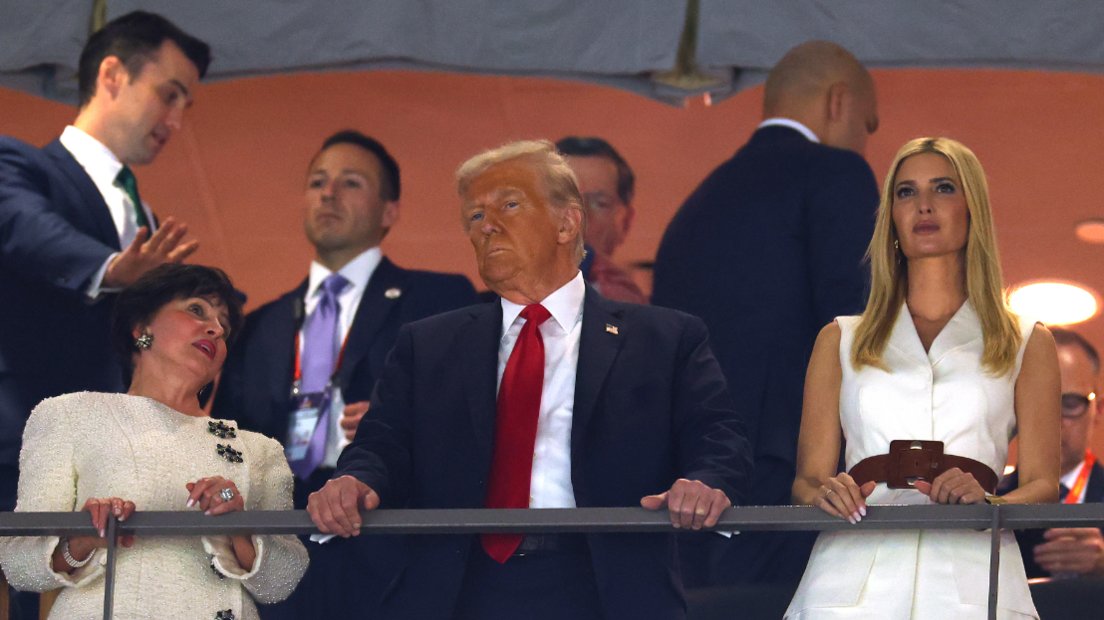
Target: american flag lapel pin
611 329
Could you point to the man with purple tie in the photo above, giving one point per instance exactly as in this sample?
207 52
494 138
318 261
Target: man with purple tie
304 366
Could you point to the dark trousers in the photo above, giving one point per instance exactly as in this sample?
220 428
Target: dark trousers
542 586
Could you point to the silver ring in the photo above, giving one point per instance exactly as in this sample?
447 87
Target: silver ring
830 491
226 494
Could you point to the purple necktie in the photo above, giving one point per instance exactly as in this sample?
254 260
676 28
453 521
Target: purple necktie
320 350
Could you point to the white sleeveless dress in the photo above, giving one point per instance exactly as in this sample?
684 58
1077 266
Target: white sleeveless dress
945 395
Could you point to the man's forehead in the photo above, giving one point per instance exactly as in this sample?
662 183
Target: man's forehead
510 176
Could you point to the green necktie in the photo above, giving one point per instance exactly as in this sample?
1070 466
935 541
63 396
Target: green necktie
126 180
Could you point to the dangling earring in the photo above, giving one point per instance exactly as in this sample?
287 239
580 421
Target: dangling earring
896 245
144 342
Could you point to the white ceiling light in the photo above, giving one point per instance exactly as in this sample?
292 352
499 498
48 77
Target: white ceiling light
1054 303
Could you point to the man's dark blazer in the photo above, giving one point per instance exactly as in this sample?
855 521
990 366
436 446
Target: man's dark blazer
55 232
1029 539
650 406
346 576
767 251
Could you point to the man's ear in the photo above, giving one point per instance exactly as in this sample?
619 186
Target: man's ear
391 211
571 224
838 98
112 75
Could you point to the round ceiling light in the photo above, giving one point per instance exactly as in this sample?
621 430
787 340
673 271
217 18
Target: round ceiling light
1090 231
1054 303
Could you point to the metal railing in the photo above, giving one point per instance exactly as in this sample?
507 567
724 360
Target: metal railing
576 520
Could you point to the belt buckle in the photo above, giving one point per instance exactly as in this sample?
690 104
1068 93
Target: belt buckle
911 460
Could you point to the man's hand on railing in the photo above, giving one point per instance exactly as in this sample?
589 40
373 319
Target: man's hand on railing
335 508
1071 550
692 504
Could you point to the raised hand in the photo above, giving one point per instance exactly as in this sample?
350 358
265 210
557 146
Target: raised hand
147 252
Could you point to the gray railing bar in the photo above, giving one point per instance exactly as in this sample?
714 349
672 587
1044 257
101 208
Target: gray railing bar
585 520
994 560
109 569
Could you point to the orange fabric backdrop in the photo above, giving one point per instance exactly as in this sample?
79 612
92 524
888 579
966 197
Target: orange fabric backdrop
235 172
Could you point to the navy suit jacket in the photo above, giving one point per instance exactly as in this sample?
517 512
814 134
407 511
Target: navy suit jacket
55 233
255 387
767 251
650 407
1029 539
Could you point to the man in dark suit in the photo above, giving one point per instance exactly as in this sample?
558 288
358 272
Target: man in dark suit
599 403
352 201
72 228
1074 550
767 251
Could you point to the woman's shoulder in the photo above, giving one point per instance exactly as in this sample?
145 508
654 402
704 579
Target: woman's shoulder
81 400
258 443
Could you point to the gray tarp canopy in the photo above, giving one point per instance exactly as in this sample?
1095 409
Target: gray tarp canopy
727 45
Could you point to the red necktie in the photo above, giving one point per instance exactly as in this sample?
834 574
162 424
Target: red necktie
519 400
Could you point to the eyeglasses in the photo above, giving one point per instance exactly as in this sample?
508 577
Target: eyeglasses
1075 405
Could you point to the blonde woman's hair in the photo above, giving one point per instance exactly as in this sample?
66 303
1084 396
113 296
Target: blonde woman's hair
563 186
984 283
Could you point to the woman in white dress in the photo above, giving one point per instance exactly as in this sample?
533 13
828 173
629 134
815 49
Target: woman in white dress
936 357
154 448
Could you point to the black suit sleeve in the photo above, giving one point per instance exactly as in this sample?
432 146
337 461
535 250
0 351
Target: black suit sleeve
841 208
712 441
36 241
379 455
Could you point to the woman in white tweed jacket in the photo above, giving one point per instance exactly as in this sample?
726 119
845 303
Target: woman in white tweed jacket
155 449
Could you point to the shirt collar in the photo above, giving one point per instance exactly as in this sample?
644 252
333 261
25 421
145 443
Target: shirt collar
792 124
358 271
96 159
565 305
1071 478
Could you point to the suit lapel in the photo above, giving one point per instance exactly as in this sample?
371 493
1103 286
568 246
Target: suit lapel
1094 488
375 306
93 205
479 347
602 336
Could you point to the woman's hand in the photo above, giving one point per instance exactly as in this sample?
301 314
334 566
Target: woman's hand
80 547
953 486
841 497
211 495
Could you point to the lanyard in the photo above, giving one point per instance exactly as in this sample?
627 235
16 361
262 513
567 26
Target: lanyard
297 379
1082 477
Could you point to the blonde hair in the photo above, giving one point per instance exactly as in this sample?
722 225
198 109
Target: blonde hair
984 283
560 180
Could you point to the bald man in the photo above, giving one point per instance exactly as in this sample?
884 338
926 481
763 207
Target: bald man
767 251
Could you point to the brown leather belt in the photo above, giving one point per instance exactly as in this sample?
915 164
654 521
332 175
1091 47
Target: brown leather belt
910 460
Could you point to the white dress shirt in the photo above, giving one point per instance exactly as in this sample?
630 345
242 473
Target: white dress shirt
792 124
1071 478
550 486
357 272
102 166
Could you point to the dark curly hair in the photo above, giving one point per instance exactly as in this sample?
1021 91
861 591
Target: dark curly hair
139 302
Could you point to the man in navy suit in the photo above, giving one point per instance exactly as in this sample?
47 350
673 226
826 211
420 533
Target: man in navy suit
352 201
72 228
599 403
1074 550
767 251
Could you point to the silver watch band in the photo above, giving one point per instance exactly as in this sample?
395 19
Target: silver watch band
69 559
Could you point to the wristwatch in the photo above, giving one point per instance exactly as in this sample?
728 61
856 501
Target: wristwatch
995 500
69 559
